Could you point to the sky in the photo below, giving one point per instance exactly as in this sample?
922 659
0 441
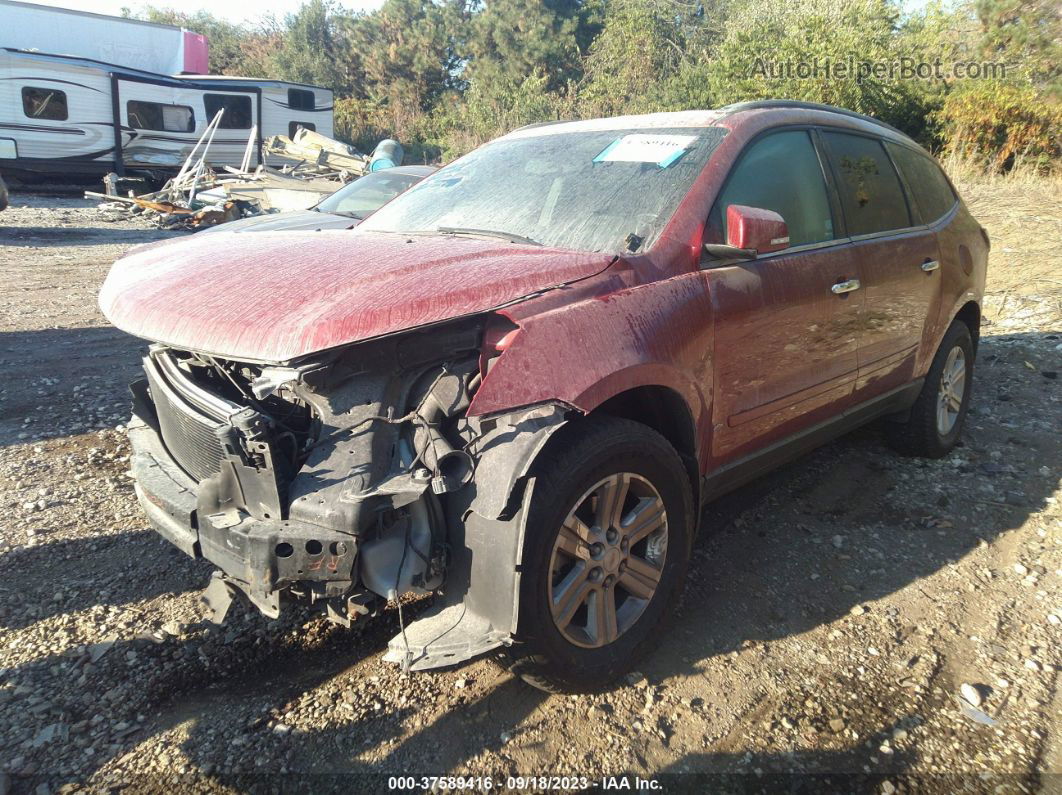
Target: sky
231 10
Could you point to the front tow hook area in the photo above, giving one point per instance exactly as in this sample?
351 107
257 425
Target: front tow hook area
217 597
222 590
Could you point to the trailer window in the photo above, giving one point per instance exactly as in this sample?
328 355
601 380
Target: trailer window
155 116
299 99
293 127
44 103
237 110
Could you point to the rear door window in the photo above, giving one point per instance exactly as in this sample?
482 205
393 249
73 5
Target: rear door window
780 172
156 116
871 196
933 196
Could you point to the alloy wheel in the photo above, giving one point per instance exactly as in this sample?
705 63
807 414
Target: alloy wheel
607 560
951 392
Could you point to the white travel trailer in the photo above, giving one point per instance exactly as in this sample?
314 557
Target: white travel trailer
78 117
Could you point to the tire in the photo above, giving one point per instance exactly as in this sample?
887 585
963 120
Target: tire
925 433
600 456
3 195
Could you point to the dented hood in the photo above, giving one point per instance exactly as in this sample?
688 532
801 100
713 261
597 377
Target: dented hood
277 296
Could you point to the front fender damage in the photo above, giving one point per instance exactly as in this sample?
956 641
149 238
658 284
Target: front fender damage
347 481
480 601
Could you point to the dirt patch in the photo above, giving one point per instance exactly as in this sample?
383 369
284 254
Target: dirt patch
834 608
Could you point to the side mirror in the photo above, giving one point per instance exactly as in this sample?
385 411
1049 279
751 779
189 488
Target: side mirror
755 229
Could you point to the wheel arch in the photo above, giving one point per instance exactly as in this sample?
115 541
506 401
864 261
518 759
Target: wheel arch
665 411
970 314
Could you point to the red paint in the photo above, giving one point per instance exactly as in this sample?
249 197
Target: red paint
755 229
277 296
757 350
196 54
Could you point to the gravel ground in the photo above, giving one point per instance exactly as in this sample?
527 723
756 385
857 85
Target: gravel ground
837 610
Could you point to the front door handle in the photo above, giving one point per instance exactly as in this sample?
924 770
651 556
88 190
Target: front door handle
930 265
845 287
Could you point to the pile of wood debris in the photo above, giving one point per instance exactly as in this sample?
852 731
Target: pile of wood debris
201 196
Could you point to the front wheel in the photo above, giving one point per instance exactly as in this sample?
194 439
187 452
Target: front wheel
937 416
608 542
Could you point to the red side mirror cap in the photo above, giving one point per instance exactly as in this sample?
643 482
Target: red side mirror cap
756 229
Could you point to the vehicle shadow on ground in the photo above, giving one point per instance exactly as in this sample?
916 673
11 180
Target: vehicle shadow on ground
51 197
224 682
861 524
823 771
111 569
78 236
99 360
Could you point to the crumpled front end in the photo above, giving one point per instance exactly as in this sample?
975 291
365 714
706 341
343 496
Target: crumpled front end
344 480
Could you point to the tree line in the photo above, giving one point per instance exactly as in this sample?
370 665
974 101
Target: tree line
979 79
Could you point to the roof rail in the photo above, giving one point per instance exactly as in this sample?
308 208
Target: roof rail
767 104
533 125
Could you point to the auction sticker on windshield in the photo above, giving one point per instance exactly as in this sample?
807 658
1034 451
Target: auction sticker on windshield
664 150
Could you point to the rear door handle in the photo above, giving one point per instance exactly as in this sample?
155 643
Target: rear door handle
930 265
845 287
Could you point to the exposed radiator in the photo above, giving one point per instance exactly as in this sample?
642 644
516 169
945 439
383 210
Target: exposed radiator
188 431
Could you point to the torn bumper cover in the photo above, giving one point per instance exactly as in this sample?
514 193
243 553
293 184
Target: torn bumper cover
373 501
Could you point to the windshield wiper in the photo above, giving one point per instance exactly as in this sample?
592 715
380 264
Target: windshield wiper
347 214
510 236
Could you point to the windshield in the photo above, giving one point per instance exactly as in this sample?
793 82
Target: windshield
367 194
587 191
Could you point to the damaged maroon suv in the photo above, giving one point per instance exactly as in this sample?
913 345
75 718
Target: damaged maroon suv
516 384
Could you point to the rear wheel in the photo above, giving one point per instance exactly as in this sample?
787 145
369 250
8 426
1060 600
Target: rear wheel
606 552
937 416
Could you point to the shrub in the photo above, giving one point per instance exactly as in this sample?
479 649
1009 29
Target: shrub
759 58
492 108
1002 125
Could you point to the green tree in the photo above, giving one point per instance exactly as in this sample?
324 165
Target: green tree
228 44
510 40
309 51
406 57
490 108
839 52
1027 33
639 48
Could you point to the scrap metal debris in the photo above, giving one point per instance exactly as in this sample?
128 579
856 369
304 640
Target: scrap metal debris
317 155
201 196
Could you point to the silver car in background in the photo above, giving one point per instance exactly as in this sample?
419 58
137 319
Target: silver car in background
344 209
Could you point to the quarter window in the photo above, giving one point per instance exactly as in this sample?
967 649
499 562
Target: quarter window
293 127
300 99
44 103
926 183
780 172
237 114
871 196
156 116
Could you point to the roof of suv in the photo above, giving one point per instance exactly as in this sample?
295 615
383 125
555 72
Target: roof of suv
700 118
